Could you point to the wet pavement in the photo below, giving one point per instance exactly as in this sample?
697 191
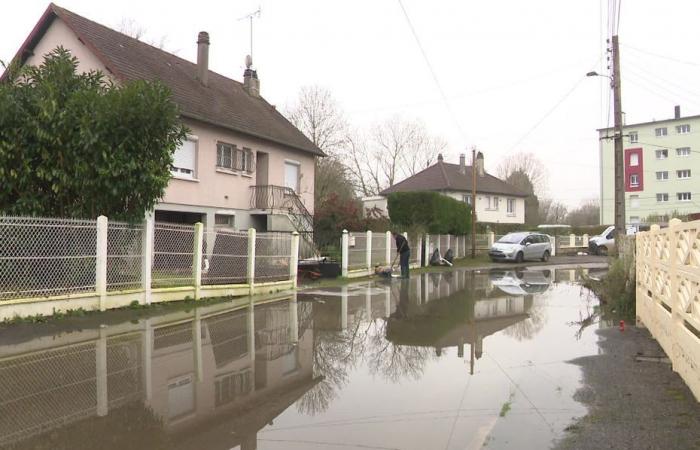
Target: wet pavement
446 360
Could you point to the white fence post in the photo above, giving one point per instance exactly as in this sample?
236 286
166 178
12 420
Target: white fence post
147 258
426 251
102 394
101 261
294 259
368 255
197 258
491 238
251 260
344 253
388 248
449 241
456 247
572 240
677 308
585 240
553 244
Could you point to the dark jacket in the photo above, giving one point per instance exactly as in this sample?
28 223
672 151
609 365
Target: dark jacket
401 244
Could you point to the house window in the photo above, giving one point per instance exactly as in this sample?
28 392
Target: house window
634 201
683 174
291 175
634 180
232 158
683 151
661 198
660 132
224 220
683 129
495 203
467 199
634 136
662 176
684 196
634 159
661 154
510 207
184 159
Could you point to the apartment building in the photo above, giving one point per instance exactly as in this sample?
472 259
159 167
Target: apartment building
661 169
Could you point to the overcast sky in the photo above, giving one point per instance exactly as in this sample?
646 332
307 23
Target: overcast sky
512 71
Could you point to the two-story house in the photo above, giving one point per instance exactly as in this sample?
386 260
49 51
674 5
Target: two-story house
496 200
661 169
242 165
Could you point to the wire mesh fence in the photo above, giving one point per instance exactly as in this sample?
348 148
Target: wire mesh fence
414 243
124 371
46 257
378 249
226 257
173 254
357 250
272 256
124 256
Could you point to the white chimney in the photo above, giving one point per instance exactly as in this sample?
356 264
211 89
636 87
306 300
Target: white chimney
480 164
462 163
203 57
251 83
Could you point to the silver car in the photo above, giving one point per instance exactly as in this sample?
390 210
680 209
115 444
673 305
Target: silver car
521 246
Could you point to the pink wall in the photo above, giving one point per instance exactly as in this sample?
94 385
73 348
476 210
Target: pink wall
634 170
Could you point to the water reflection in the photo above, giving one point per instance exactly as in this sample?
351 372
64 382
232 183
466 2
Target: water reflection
218 377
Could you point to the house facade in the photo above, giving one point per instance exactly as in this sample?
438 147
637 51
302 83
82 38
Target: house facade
661 170
496 201
243 164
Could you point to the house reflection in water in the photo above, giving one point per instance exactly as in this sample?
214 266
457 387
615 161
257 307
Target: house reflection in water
205 379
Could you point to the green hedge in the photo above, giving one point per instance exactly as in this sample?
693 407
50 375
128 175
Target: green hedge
429 212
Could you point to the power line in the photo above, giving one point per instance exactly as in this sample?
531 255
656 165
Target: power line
669 58
432 70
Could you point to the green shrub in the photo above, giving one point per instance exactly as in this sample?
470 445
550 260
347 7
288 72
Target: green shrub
617 289
430 212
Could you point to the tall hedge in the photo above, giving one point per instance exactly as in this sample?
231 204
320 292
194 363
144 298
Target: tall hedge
430 212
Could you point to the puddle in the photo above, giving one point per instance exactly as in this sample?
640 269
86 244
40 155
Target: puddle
448 360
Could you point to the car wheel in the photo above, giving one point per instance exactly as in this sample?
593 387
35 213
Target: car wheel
519 257
545 256
602 251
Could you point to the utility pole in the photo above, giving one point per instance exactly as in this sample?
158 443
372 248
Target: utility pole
473 202
619 157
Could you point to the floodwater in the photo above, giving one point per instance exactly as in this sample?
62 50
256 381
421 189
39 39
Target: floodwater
445 360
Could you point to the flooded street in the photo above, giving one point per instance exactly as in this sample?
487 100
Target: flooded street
445 360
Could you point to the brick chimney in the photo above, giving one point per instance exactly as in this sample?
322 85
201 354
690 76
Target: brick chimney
462 163
440 157
677 112
480 164
203 57
251 83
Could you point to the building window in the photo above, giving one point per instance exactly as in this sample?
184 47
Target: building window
661 154
683 174
634 136
683 129
510 207
634 159
660 132
684 196
683 151
224 220
662 176
232 158
661 198
634 180
184 159
495 203
634 219
634 201
291 175
467 199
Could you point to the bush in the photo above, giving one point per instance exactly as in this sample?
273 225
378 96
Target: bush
429 212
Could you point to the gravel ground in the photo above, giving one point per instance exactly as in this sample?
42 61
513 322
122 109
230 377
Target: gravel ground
632 404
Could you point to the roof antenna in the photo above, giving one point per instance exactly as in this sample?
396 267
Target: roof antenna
250 16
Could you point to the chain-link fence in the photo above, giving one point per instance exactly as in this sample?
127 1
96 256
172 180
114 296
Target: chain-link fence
272 256
414 243
226 257
124 371
357 250
46 257
124 256
173 254
379 249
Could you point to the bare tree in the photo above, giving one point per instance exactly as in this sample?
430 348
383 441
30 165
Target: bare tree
552 212
132 28
527 163
316 114
588 213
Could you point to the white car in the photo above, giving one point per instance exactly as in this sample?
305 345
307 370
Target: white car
602 243
521 246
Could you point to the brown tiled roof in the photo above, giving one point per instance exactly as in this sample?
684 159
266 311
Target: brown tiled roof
223 102
443 176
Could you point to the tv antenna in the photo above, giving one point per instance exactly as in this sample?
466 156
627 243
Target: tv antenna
250 17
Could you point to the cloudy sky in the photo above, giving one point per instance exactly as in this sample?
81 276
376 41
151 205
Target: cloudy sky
512 72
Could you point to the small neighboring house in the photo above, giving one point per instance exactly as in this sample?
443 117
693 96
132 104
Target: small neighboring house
243 164
661 169
496 201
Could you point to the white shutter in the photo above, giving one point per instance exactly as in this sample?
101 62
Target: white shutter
291 176
184 159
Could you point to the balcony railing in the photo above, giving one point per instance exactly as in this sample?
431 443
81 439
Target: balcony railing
284 200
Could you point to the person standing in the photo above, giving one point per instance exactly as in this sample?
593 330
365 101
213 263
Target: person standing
404 252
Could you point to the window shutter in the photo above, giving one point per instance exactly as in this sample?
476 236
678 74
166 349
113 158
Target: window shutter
184 157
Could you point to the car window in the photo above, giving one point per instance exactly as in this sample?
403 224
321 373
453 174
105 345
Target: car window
527 240
543 239
511 238
610 235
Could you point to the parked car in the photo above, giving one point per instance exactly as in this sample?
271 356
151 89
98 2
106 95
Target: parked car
602 243
521 282
521 246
